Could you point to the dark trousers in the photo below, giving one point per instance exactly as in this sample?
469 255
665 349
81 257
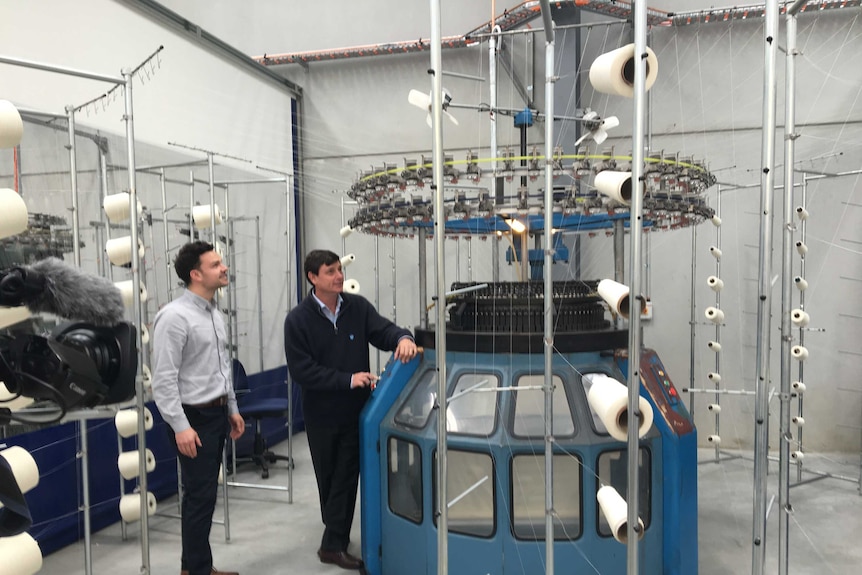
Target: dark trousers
200 486
335 455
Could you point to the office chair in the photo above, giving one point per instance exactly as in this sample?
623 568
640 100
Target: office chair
254 406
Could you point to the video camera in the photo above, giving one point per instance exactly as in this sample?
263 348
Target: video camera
79 364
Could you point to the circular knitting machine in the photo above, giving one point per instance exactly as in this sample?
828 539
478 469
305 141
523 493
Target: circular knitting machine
397 201
494 343
495 363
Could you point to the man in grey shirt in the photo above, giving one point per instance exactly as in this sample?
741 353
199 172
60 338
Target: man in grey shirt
194 393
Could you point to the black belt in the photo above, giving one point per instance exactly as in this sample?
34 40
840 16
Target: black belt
217 402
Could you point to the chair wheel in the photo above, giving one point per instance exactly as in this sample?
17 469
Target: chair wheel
264 474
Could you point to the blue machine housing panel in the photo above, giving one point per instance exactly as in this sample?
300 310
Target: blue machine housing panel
393 544
679 465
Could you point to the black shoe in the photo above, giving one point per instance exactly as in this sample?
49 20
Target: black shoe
341 558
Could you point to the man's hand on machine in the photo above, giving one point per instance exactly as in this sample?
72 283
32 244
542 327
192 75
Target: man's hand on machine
363 379
406 350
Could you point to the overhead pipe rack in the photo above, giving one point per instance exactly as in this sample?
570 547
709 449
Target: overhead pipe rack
508 20
530 10
409 46
752 12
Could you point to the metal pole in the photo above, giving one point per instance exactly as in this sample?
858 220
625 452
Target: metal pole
288 193
210 169
550 79
764 301
394 278
99 240
804 230
495 256
84 453
619 257
343 243
163 190
230 261
228 309
647 279
249 181
524 263
259 294
786 436
440 332
148 222
124 533
136 312
492 117
636 231
423 278
288 183
717 398
191 205
232 351
164 194
105 264
103 184
73 172
62 70
377 284
692 321
83 450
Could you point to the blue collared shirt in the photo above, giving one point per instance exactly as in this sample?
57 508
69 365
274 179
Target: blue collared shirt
191 363
333 317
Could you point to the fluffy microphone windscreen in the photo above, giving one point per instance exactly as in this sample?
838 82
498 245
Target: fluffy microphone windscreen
72 293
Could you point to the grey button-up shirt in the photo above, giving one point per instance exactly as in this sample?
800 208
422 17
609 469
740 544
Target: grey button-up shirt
191 363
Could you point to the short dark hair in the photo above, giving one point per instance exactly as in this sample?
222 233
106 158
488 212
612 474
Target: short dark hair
317 258
189 258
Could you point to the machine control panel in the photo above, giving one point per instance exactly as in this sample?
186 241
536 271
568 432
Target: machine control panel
665 396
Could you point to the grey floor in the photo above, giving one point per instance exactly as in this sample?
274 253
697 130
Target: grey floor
270 536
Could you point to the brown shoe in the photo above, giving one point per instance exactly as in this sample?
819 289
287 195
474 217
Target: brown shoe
341 558
215 572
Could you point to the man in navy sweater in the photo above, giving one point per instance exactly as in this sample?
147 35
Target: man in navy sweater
326 339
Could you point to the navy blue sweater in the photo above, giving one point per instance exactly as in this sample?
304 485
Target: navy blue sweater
322 357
